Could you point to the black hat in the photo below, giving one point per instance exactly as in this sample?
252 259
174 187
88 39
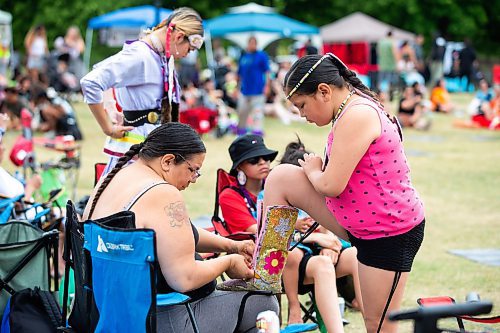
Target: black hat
248 146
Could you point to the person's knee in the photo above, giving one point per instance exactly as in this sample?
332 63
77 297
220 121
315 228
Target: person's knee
321 267
281 175
294 258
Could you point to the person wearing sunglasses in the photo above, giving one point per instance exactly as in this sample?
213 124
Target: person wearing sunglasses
362 189
251 165
141 81
168 161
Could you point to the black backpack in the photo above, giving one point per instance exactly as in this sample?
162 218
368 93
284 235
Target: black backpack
32 310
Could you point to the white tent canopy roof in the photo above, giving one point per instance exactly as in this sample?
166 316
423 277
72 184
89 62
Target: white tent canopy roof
5 18
251 7
359 27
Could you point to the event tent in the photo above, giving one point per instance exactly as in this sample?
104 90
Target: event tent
135 18
5 36
263 22
260 21
359 27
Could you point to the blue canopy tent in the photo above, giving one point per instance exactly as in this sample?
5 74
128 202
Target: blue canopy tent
126 18
262 22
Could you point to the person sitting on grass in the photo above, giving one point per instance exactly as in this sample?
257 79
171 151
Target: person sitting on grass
440 98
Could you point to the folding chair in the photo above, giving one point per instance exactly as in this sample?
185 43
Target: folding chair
127 304
98 170
84 314
434 308
221 228
7 208
38 214
25 256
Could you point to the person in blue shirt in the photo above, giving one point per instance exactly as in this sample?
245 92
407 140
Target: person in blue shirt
253 77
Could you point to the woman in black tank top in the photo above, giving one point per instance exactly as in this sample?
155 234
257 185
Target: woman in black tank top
169 160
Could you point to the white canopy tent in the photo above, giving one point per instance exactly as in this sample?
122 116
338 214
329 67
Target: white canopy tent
6 36
359 27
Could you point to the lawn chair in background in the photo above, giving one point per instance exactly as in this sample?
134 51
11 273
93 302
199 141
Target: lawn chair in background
46 216
434 308
220 226
98 170
127 304
201 119
26 253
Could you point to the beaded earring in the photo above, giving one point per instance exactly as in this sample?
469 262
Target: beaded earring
241 177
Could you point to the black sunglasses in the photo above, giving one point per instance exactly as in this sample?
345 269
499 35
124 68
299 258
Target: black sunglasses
256 159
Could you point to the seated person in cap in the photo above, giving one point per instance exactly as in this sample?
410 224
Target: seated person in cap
251 165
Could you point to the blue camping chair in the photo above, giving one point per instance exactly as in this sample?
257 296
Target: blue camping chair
124 264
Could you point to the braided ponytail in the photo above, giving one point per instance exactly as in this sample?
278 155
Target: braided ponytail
351 78
134 150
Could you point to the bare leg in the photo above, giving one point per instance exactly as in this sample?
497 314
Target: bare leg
321 272
288 185
348 265
290 281
244 109
375 288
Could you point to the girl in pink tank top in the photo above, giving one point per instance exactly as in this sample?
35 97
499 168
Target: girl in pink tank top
362 189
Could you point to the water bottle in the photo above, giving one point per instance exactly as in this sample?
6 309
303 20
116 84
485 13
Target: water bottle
342 306
268 322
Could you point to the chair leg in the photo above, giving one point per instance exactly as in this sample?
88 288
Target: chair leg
193 320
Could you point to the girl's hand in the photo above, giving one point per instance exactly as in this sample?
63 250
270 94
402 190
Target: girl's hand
303 224
334 255
118 131
310 163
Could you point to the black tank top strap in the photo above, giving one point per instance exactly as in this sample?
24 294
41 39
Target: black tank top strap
141 193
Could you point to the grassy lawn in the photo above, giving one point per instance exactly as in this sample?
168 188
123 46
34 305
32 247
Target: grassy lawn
456 171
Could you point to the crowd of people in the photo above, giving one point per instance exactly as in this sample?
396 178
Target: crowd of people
371 217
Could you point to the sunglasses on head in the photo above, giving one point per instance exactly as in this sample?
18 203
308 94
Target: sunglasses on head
195 41
256 159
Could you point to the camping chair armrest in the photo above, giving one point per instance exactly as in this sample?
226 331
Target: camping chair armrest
443 311
172 298
297 328
240 236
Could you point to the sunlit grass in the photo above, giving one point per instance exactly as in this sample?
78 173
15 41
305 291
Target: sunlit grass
456 171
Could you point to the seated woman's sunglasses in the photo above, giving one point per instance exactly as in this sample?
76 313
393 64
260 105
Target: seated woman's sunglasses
256 159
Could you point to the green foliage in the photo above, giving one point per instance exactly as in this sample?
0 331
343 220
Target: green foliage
456 19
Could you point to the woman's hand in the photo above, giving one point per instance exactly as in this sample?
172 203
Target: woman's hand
244 248
311 163
238 268
334 255
118 131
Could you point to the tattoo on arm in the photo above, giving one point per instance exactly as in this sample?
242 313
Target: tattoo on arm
176 213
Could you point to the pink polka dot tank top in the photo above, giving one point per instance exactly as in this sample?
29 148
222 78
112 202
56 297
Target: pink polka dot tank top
379 199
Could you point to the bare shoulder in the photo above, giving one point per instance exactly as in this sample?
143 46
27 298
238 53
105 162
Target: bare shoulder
362 113
166 202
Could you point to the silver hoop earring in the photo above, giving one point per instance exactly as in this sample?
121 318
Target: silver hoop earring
241 177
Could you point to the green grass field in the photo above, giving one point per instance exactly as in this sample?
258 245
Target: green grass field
456 171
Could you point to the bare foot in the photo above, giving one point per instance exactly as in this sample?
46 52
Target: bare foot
294 315
355 305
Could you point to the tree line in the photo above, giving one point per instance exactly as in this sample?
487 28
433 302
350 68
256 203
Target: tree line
477 20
